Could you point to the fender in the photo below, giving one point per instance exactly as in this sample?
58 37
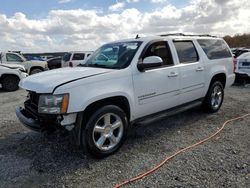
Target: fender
83 94
214 70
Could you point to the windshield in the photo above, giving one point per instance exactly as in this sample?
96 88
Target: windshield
113 56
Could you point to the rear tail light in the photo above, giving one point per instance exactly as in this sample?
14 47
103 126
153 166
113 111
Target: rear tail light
70 64
234 63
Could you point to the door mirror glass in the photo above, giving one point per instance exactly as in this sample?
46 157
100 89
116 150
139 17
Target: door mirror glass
150 62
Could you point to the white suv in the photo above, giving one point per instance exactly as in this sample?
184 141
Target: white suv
72 59
32 67
125 82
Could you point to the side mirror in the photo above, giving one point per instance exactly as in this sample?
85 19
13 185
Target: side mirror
150 62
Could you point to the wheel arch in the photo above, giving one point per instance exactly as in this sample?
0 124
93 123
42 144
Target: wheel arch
219 77
120 101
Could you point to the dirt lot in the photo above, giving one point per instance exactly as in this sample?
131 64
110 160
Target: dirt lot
29 159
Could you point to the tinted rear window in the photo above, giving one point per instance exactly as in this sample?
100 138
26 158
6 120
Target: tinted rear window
215 49
186 51
78 56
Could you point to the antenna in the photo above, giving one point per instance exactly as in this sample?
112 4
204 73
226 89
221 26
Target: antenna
137 36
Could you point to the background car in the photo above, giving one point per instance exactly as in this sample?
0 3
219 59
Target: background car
237 52
10 76
54 63
242 70
32 66
72 59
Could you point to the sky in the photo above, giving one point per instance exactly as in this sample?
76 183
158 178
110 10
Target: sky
67 25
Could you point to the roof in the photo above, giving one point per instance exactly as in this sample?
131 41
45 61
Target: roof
169 35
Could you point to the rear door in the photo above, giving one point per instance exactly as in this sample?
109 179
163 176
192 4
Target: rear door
191 68
156 89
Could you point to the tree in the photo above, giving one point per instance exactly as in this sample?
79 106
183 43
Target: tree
238 40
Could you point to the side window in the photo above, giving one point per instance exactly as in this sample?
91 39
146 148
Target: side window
160 49
78 56
215 49
186 51
13 58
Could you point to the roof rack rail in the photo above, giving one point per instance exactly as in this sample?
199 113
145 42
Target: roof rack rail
186 35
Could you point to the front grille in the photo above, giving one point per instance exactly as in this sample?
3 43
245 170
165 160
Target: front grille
34 100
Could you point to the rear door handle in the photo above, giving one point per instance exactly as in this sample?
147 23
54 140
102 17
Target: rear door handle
173 74
199 69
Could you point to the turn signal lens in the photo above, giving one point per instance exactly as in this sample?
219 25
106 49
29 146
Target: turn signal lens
65 104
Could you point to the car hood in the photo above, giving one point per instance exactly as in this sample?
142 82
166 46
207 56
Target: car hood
46 82
13 66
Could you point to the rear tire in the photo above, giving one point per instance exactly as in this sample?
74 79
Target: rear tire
105 131
10 83
35 71
214 97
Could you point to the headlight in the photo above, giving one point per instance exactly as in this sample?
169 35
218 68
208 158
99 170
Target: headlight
53 104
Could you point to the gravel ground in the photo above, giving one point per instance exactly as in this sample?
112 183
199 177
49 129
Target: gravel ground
29 159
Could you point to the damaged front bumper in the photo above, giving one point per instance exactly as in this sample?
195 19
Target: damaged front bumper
43 122
26 119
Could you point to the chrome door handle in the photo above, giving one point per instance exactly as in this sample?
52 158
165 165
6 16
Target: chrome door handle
199 69
173 74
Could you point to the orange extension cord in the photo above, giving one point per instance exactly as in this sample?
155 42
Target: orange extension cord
168 158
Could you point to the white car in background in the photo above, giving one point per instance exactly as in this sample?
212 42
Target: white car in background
72 59
242 68
32 67
10 76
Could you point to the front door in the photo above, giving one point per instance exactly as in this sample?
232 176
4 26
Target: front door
156 89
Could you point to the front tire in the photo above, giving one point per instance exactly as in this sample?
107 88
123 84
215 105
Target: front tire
105 131
10 83
214 97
